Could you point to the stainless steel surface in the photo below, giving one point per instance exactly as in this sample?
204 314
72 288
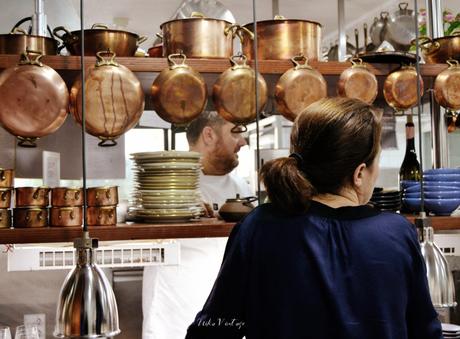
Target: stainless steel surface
401 28
378 29
39 19
434 18
275 8
439 145
342 51
440 280
209 8
87 307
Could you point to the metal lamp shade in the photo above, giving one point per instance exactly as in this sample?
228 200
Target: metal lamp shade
87 307
440 280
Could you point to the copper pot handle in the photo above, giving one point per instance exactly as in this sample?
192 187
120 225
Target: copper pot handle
26 60
70 190
197 15
173 64
159 36
235 64
240 31
357 62
63 36
99 26
26 142
18 30
4 193
141 39
103 62
452 63
2 174
403 6
301 62
107 193
106 142
384 15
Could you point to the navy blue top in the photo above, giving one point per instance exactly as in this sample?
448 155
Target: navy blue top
349 272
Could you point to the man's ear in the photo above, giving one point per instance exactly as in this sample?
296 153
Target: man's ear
358 175
208 135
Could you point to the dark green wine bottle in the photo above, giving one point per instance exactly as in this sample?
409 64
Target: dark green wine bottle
410 167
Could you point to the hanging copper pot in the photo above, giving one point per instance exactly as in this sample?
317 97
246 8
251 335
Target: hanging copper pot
102 196
34 99
114 99
30 217
5 218
5 197
447 86
32 196
102 216
234 93
357 82
66 216
6 177
439 50
400 88
298 87
179 93
66 196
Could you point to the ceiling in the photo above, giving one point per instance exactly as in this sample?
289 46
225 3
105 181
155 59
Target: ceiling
145 16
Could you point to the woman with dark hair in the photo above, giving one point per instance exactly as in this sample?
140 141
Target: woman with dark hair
317 262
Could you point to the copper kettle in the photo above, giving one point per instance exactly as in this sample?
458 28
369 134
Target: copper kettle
235 209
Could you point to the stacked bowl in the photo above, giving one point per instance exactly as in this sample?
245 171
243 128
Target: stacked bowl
441 191
386 199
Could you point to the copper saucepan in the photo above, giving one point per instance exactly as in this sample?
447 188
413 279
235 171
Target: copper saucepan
34 99
6 177
17 41
102 216
283 38
439 50
400 88
30 217
32 196
5 218
447 86
66 196
299 87
66 216
5 197
114 99
179 93
358 82
100 38
102 196
234 93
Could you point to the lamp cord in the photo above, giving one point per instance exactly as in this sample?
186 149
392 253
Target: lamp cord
83 112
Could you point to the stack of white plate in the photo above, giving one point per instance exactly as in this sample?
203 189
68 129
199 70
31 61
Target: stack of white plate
166 186
450 331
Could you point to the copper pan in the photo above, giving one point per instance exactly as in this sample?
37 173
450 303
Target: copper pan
298 87
66 196
100 38
439 50
357 82
283 39
34 99
66 216
30 217
102 196
234 93
179 93
5 218
32 196
102 216
400 88
5 197
114 99
6 177
447 86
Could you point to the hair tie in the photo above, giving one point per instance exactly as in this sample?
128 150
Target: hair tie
298 158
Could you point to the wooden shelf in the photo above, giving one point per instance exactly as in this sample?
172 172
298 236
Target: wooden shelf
133 231
129 231
141 64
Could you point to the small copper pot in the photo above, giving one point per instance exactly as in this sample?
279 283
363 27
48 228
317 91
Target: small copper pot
358 82
32 196
66 197
6 177
66 216
102 196
400 88
30 217
5 218
5 197
446 86
102 216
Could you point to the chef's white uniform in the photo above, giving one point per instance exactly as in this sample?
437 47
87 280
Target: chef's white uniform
173 295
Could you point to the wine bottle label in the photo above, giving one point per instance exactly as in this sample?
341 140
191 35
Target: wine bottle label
410 132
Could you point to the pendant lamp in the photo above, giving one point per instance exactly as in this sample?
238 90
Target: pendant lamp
86 307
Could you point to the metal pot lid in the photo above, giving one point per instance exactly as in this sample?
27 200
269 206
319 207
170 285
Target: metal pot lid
209 8
378 28
400 27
